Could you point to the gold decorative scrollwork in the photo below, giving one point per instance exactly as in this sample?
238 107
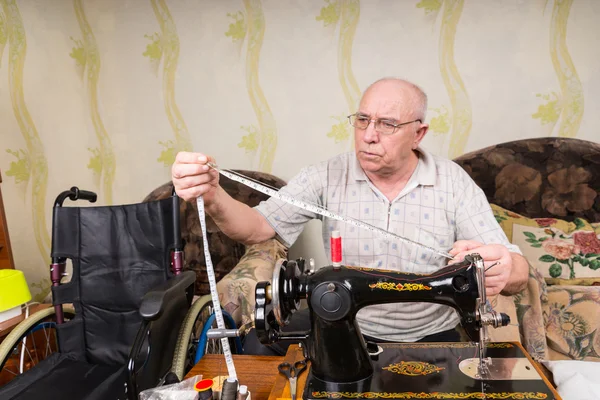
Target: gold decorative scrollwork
413 368
401 287
460 345
434 395
499 345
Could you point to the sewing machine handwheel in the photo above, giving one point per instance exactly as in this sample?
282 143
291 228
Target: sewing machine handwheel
264 321
289 297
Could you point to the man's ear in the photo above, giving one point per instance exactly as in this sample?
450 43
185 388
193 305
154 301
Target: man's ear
420 134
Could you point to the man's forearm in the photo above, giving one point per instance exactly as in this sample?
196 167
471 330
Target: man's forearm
518 276
237 220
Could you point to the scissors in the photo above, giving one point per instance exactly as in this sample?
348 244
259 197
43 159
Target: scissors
292 372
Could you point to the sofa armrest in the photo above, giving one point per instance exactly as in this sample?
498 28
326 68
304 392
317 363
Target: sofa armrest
236 289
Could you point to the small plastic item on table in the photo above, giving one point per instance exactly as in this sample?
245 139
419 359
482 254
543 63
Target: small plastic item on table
183 390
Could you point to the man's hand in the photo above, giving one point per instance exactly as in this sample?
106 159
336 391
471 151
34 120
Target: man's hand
192 177
497 255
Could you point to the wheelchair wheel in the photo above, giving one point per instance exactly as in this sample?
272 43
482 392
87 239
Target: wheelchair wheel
39 333
192 343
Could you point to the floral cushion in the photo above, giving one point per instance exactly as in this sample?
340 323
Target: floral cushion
573 322
564 252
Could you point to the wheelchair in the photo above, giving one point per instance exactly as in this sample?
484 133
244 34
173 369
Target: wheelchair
124 319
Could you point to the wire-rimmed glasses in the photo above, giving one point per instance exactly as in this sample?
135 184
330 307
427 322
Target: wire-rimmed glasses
382 125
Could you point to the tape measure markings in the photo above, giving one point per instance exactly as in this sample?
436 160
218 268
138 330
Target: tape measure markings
213 289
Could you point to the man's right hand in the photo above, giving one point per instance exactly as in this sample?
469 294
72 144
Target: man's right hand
192 177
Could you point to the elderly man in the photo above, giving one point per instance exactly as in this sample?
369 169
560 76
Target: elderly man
392 183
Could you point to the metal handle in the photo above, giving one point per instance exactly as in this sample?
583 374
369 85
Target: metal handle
222 333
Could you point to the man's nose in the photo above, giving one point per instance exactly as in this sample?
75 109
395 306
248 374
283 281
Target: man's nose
370 133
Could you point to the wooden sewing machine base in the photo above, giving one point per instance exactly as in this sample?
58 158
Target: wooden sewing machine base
441 371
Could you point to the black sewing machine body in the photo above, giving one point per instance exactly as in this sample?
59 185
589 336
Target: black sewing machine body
341 361
335 295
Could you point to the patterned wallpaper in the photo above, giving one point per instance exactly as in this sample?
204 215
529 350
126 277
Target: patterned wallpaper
103 94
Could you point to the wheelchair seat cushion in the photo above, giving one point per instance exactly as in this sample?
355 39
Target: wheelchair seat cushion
63 376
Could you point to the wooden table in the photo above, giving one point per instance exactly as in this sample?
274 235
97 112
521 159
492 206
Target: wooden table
281 388
256 372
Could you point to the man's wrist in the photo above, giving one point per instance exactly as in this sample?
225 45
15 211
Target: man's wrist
519 275
212 205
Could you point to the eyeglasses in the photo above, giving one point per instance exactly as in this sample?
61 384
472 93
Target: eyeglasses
383 126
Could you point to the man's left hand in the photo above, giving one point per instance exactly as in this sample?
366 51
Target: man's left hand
497 255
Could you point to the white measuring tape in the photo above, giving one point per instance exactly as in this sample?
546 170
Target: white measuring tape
213 290
322 211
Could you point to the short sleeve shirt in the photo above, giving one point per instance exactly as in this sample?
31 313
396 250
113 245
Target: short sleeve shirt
439 205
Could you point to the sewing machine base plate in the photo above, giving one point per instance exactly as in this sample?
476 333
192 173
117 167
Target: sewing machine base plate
434 371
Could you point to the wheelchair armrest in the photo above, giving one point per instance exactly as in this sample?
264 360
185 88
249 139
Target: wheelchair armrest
155 300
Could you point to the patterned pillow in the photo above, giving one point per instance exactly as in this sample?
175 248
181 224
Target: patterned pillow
566 253
572 321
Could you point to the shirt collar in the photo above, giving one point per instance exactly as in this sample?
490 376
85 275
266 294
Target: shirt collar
425 173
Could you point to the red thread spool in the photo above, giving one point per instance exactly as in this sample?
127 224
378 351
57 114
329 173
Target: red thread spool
204 389
336 248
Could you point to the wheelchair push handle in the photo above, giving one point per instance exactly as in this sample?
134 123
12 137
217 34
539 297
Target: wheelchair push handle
74 194
84 195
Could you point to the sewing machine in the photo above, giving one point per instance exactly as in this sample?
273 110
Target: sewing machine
342 365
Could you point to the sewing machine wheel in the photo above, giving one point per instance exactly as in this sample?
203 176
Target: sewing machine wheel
264 321
274 291
284 296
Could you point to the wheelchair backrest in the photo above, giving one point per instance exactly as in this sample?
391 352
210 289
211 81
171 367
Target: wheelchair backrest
118 254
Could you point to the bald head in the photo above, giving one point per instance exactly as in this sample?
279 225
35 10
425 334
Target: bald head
409 93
